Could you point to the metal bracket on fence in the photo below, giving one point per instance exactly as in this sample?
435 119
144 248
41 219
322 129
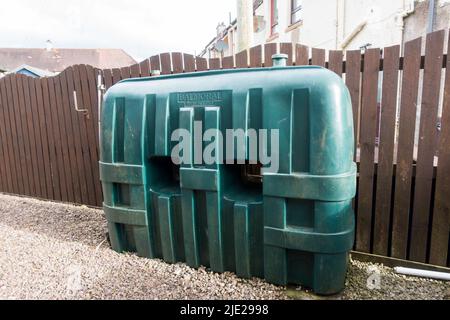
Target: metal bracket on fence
75 101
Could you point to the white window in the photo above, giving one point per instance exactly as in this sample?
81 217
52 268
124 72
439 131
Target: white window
296 11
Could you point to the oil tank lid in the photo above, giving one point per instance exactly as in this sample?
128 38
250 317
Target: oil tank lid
279 60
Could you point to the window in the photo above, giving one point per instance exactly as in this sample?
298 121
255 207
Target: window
296 9
273 17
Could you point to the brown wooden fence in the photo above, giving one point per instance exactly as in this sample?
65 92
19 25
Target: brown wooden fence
49 150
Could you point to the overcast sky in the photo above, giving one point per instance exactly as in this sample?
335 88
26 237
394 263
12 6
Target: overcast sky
141 27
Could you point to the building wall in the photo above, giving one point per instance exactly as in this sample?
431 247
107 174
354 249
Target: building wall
327 23
416 25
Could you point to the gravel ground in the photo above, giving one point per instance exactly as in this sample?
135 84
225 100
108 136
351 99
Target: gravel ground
59 251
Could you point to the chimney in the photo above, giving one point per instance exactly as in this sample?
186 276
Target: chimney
244 24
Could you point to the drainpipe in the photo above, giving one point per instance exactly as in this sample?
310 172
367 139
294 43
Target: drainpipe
244 24
340 22
401 19
431 15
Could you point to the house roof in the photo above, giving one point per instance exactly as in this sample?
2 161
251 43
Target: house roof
56 60
38 72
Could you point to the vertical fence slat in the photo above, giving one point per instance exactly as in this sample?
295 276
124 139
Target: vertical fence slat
269 50
67 159
3 155
353 81
92 105
16 112
404 163
46 152
166 67
66 109
427 145
14 136
107 78
441 214
367 144
335 61
23 138
81 120
58 141
177 62
242 59
255 57
91 133
200 64
6 142
144 66
125 73
228 62
83 170
301 55
115 75
51 136
189 62
318 57
27 85
92 82
386 151
155 63
214 63
135 71
286 48
66 142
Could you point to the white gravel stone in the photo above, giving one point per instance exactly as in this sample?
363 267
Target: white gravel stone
58 251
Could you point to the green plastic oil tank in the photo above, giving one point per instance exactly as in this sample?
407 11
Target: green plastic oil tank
292 225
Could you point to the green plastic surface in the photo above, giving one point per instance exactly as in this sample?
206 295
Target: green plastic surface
297 226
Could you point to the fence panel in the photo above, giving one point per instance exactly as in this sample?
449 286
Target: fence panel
8 174
403 176
427 146
441 213
367 145
49 150
386 151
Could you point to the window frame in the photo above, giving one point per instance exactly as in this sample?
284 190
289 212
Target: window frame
273 22
294 11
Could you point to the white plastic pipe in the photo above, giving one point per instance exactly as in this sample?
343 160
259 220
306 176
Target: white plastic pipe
423 273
